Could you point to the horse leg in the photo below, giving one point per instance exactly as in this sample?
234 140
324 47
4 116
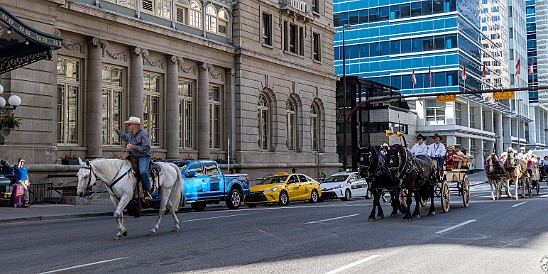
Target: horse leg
375 203
407 215
432 211
119 215
416 212
173 210
516 187
498 188
164 198
507 188
491 183
380 214
394 201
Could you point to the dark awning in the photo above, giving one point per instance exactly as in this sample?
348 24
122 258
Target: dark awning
21 45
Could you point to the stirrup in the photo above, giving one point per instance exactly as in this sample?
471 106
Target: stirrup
147 197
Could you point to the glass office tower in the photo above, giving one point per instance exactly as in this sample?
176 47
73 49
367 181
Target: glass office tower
389 41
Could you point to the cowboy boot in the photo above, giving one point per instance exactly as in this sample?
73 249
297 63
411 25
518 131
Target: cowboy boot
147 197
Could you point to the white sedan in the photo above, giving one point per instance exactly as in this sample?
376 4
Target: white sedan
344 186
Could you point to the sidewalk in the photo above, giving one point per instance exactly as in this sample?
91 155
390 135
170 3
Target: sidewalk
40 212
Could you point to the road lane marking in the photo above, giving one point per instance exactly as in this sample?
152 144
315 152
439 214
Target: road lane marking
84 265
345 267
212 218
455 226
519 204
331 219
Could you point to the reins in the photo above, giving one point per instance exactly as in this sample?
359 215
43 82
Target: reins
115 179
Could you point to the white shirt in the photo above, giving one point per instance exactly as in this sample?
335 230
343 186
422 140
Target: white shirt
420 149
436 150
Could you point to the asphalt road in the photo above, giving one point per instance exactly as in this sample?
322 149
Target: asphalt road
505 236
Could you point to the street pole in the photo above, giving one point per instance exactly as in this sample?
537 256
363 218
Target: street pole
345 146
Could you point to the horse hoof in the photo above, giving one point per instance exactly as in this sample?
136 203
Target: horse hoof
124 234
393 214
372 219
152 233
175 229
380 217
417 216
432 213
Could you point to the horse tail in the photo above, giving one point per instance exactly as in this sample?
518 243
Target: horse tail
176 194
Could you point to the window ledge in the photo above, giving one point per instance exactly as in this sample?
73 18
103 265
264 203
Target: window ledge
316 13
316 61
267 46
294 54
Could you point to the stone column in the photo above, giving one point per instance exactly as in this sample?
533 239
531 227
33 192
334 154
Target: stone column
202 111
93 129
230 110
507 132
135 100
172 109
480 157
499 134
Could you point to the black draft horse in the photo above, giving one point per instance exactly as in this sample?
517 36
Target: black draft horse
372 167
416 174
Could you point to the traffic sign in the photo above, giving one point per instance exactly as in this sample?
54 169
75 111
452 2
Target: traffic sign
503 95
446 98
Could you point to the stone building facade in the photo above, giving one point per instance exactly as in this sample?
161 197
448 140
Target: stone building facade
249 83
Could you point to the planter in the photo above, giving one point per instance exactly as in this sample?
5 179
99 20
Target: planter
70 162
5 132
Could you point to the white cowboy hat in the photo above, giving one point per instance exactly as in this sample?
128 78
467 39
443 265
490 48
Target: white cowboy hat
133 120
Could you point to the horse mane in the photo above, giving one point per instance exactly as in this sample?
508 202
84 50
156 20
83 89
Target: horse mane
108 166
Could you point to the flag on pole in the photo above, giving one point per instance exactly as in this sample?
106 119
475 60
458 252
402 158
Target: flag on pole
518 65
430 76
531 66
464 72
484 70
413 78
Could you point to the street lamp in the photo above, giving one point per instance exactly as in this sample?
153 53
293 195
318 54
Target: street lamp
345 149
14 101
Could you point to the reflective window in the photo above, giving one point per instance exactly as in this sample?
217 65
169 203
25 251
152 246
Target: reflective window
215 117
395 47
406 46
264 121
427 43
364 16
354 17
353 51
364 50
374 15
426 7
152 86
383 13
385 48
416 45
111 111
68 99
395 81
291 124
435 112
405 10
186 112
395 12
416 8
439 42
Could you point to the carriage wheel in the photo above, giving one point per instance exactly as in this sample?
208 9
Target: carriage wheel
403 200
465 191
445 196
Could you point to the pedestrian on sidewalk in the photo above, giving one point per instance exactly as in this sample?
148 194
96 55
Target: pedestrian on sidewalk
22 177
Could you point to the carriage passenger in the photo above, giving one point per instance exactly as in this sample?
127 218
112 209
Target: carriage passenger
522 155
454 157
531 162
437 151
420 147
384 149
544 164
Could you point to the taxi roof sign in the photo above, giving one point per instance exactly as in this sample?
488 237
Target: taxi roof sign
503 95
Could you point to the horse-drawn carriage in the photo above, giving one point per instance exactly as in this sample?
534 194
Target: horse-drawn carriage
453 180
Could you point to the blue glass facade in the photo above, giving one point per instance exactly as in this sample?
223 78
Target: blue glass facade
390 38
532 48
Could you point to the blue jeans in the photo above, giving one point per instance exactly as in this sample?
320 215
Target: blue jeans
144 162
440 161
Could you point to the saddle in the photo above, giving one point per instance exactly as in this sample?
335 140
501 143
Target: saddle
153 171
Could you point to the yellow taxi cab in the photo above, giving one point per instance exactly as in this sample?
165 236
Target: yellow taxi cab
283 188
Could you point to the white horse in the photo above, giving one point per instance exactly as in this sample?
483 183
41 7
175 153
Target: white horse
120 181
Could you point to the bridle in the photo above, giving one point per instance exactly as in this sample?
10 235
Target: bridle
378 168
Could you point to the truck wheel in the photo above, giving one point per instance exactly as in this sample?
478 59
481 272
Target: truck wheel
234 199
198 206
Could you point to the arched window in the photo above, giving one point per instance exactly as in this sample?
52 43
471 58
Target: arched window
315 126
222 22
264 121
195 14
291 123
211 18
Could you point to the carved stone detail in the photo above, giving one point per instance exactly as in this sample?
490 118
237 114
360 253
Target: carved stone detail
106 49
76 46
215 74
147 60
207 66
180 61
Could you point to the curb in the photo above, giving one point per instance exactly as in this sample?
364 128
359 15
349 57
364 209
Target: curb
57 217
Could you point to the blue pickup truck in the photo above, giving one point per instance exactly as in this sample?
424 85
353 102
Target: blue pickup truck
203 183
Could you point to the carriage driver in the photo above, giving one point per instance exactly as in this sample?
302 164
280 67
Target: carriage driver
138 146
437 151
420 147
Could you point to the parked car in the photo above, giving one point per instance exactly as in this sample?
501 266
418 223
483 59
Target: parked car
203 183
344 186
283 188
